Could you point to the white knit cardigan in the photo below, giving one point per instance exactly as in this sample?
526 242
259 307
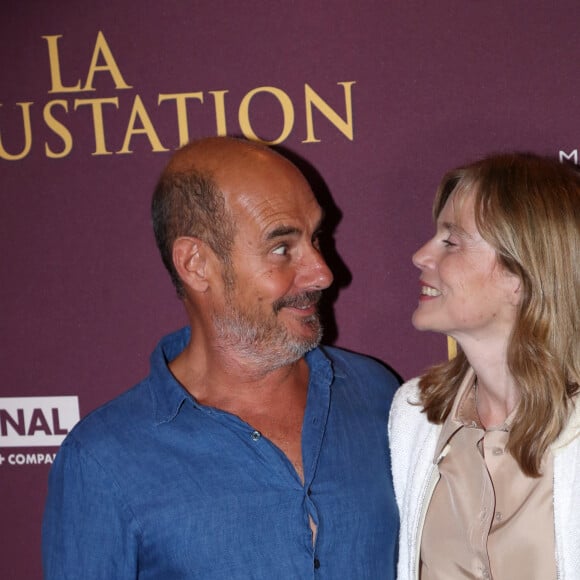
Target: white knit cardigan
413 439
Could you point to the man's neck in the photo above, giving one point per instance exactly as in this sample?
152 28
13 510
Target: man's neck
219 379
273 403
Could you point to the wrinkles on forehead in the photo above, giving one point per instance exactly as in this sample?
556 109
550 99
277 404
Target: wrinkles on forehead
282 214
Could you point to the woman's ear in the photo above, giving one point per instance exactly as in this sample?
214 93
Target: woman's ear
190 256
515 288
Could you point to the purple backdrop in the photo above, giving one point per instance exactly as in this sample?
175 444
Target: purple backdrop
375 99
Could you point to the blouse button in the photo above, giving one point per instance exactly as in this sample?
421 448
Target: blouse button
255 435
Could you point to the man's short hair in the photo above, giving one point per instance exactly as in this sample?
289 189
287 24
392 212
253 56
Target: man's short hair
190 204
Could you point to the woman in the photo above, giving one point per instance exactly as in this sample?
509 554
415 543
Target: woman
486 447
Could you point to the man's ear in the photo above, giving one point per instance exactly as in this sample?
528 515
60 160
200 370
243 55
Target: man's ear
190 258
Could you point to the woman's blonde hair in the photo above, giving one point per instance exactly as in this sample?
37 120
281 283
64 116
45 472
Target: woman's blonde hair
528 208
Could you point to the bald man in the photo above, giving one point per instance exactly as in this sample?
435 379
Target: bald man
250 452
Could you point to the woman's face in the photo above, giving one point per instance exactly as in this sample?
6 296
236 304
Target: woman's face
465 292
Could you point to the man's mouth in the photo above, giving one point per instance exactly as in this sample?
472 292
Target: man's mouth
305 301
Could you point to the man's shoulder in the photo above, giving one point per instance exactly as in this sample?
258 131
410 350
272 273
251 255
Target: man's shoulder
132 409
348 358
351 365
153 399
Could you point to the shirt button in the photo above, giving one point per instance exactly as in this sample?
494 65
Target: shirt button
256 435
316 563
498 516
309 492
497 451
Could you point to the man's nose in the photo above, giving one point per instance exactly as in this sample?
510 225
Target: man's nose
315 273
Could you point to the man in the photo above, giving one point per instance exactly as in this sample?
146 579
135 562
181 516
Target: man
249 451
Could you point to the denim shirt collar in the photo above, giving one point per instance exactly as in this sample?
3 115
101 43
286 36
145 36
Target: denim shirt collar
168 395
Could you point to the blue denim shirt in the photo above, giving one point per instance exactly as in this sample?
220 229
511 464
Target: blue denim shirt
154 485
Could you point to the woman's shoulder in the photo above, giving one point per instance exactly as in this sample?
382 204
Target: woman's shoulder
407 398
407 420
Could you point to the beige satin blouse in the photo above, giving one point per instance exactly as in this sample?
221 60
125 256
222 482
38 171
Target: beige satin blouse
486 519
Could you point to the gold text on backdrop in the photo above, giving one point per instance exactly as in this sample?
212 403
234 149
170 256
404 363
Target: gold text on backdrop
138 121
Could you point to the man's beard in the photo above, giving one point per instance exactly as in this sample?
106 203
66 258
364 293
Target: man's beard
264 342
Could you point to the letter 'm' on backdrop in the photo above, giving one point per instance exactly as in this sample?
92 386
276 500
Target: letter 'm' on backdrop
374 101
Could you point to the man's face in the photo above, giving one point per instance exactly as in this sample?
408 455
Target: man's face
268 316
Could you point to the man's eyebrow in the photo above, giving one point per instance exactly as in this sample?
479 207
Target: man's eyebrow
282 231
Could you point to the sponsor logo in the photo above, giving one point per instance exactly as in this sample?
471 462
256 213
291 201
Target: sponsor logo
37 421
19 459
572 156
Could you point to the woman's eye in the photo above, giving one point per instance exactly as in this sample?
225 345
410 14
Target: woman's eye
449 243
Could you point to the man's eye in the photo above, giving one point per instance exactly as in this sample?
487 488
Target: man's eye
281 250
